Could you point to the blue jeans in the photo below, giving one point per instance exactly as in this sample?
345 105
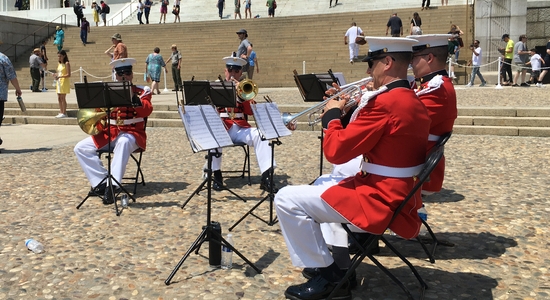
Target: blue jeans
475 70
84 36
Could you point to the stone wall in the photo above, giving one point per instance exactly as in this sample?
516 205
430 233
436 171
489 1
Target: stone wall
27 34
538 25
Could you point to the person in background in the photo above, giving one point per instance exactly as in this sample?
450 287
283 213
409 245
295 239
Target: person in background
140 7
546 64
536 62
476 63
7 75
148 4
220 5
452 45
19 4
247 11
349 39
521 57
444 2
84 30
153 66
238 9
109 52
176 57
163 10
59 38
330 4
104 12
416 24
271 6
96 9
63 86
120 50
35 64
507 63
127 134
78 11
176 11
44 58
252 62
427 2
244 50
457 33
396 26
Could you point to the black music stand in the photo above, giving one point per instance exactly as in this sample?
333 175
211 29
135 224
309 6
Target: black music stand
106 95
208 232
218 94
270 124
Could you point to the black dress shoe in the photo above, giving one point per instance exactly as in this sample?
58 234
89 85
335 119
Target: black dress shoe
217 183
317 288
1 141
98 190
266 186
312 272
108 198
217 186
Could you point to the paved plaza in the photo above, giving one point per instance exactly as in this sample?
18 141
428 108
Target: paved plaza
494 208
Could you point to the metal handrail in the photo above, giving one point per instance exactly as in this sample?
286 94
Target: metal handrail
63 23
127 11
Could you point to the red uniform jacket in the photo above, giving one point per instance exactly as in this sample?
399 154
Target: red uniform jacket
441 105
391 130
242 108
124 113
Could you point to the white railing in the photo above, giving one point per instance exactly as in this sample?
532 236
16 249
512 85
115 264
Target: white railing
127 11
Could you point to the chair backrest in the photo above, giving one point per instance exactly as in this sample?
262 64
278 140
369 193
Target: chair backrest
434 156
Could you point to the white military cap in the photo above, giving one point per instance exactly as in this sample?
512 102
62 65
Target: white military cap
234 61
123 64
381 45
430 41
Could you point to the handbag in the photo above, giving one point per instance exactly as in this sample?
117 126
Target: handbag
274 4
360 40
416 30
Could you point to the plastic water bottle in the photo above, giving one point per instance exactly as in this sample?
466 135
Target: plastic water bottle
54 84
34 246
423 214
124 200
227 253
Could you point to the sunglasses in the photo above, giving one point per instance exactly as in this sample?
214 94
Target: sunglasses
371 62
234 69
125 72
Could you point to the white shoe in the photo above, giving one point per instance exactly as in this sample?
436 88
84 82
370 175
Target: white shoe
469 85
539 84
60 115
351 62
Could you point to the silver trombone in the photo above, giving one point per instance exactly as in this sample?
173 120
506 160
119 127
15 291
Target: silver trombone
354 90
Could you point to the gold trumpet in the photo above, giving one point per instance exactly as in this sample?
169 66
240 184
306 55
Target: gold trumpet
89 118
247 89
354 90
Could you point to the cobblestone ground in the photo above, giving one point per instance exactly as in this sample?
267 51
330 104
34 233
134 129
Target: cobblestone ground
494 208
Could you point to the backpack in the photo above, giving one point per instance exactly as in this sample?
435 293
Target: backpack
106 9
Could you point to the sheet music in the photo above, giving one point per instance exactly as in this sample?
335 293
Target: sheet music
204 128
268 118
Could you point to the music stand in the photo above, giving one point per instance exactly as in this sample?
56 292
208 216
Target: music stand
106 95
195 118
270 124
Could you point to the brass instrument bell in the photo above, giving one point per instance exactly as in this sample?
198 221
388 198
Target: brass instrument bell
89 118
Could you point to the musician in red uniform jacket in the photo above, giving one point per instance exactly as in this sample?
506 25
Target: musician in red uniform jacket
240 131
127 135
390 130
437 92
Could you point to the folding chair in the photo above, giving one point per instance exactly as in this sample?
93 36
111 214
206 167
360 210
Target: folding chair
136 157
431 254
433 159
246 163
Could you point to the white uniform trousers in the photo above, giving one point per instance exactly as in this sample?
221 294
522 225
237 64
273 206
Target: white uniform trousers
353 50
333 233
122 147
251 137
301 210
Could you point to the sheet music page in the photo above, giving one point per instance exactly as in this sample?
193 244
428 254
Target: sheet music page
263 122
216 127
198 127
186 118
277 119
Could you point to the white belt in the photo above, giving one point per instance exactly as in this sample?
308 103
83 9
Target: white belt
126 121
226 115
433 138
390 171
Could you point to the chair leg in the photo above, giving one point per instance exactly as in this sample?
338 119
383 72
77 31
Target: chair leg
248 163
431 254
406 261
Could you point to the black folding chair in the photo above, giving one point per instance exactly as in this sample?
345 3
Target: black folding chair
246 164
422 240
433 159
136 157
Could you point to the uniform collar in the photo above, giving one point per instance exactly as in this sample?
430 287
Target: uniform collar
429 77
398 83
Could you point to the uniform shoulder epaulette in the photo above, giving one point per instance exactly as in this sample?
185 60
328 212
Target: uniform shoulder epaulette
435 83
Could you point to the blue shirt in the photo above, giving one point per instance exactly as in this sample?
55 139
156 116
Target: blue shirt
251 58
7 73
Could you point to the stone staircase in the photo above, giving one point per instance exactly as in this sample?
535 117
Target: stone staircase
503 121
283 44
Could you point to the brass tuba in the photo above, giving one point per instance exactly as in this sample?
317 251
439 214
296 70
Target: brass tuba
88 118
247 89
